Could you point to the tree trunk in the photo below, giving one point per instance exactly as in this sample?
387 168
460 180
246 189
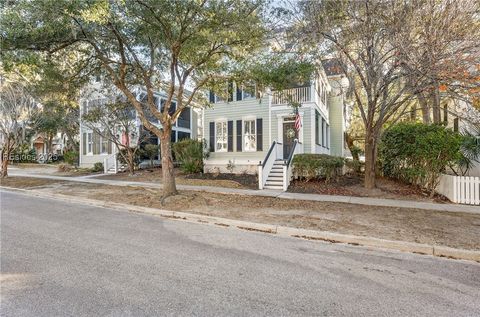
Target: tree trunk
169 187
4 168
370 160
425 110
436 111
131 162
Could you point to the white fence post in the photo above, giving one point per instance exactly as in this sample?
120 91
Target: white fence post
460 189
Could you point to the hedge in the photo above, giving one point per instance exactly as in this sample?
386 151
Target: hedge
315 166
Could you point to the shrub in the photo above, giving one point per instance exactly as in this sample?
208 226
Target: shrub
151 151
417 153
71 157
354 167
190 153
97 167
310 166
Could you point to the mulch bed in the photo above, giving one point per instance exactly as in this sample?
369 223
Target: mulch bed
352 185
247 180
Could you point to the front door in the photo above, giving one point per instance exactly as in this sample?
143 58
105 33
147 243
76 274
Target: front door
289 136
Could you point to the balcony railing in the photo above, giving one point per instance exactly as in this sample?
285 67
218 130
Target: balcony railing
292 95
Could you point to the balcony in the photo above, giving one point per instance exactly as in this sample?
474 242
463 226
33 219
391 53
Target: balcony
292 95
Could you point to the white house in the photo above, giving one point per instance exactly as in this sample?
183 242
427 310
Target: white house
93 148
254 132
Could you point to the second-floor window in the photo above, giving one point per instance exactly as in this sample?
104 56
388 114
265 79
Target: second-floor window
221 136
249 136
90 143
103 145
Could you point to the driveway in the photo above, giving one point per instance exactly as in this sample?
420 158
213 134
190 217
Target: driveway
62 259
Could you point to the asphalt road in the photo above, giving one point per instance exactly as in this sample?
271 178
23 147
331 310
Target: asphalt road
61 259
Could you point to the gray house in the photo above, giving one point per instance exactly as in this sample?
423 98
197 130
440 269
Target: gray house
254 132
93 148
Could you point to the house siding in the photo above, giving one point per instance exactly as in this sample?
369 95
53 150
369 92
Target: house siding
337 120
243 161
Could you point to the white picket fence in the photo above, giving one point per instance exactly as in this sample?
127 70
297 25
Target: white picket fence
460 189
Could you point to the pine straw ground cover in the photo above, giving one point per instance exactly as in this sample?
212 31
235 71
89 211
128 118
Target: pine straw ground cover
457 230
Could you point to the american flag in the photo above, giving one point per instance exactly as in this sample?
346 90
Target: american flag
298 121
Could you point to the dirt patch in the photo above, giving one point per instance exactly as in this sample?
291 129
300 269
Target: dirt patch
28 182
154 175
457 230
350 185
242 180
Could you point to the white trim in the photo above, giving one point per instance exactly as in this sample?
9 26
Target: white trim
215 135
254 119
280 121
269 119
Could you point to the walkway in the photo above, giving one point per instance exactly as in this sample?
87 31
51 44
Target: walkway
271 193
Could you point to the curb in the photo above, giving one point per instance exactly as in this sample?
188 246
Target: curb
411 247
380 202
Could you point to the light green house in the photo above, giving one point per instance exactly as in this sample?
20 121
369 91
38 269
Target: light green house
254 132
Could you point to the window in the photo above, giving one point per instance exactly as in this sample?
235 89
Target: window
183 120
183 135
323 133
103 145
249 136
327 133
248 91
89 143
221 136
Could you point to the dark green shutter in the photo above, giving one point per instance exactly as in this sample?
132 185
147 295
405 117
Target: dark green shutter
230 136
212 137
211 96
239 135
259 134
239 94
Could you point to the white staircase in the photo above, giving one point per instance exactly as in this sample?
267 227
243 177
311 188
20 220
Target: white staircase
275 177
275 172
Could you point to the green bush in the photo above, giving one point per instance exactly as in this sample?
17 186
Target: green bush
190 153
151 151
417 153
311 166
354 167
97 167
71 157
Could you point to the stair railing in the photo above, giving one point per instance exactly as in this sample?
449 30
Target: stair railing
110 162
297 148
265 166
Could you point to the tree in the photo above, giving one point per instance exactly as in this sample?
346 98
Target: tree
16 109
371 40
115 121
158 44
446 50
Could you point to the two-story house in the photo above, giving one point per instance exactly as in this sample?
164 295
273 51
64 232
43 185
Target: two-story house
94 148
254 132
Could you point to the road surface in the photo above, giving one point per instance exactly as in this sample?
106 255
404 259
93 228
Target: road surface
60 259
